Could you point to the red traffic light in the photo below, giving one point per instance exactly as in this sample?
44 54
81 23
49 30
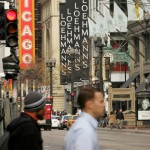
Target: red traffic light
72 94
11 15
11 29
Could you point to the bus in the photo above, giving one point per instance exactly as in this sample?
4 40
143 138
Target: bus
46 123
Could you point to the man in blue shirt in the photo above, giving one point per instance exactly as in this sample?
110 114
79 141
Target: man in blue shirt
82 135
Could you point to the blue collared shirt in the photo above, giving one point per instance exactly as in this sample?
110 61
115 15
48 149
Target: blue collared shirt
82 135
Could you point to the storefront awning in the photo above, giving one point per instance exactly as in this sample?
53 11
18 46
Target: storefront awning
141 87
131 79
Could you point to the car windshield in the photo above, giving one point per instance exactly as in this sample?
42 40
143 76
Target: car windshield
56 117
75 117
67 117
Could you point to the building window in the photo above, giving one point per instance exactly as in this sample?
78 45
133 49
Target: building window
136 43
121 3
99 6
147 45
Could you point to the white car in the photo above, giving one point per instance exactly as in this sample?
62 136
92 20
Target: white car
64 121
56 122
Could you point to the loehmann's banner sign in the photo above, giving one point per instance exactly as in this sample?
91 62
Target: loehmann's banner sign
26 33
74 33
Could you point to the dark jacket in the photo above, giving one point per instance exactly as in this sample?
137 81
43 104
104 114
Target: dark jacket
25 134
120 116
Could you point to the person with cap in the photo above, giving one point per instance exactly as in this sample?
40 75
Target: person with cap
82 134
24 131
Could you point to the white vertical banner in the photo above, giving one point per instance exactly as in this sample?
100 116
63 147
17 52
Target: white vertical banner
132 11
120 19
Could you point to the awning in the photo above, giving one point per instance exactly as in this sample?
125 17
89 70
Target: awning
131 79
141 87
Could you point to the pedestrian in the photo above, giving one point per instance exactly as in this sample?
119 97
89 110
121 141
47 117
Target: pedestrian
24 131
112 118
82 135
120 118
105 120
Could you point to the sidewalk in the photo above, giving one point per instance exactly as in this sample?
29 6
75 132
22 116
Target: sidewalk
137 131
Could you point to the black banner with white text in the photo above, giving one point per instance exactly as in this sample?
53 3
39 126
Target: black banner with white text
74 33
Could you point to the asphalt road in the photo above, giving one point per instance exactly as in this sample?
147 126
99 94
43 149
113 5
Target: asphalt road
108 140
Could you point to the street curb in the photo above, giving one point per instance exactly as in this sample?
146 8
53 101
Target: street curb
136 131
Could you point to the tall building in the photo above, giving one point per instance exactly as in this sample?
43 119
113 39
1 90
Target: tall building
104 18
51 49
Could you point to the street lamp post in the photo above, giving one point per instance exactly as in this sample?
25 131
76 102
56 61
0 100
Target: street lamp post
50 63
73 52
98 43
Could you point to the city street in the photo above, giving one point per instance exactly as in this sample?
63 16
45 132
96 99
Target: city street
108 140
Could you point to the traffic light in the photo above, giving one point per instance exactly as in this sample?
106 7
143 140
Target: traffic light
51 99
2 22
72 96
11 66
11 29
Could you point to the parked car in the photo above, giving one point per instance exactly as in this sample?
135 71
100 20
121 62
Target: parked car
56 122
71 121
64 121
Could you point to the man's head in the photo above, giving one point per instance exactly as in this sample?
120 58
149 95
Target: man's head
91 101
145 103
34 103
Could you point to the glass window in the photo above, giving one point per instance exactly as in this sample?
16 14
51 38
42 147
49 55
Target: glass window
67 117
147 45
121 3
122 104
92 9
136 42
75 117
56 117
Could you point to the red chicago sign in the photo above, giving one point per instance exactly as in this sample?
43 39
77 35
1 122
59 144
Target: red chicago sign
26 33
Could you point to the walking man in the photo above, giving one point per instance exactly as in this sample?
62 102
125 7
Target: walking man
120 118
82 135
24 131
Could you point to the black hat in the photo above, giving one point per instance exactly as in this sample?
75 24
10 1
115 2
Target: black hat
34 101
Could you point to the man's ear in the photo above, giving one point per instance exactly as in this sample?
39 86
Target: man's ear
89 104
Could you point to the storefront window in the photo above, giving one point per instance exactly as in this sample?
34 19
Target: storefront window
120 104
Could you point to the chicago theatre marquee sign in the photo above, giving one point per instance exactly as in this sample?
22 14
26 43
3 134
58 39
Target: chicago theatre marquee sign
74 33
